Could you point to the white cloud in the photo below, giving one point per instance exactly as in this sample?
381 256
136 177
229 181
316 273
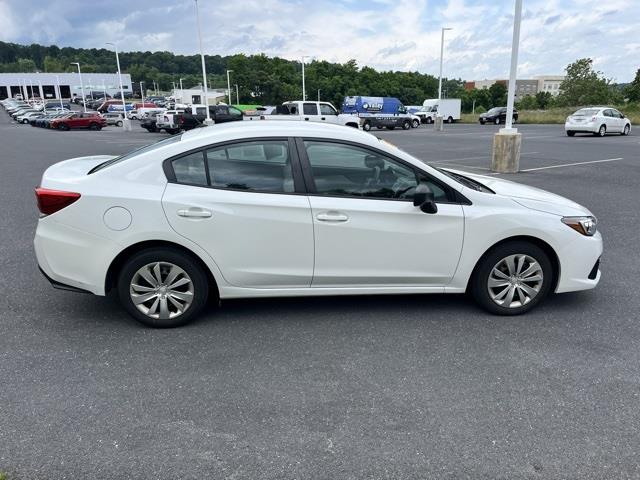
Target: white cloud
385 34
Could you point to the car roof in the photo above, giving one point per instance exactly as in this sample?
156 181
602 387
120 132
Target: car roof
285 128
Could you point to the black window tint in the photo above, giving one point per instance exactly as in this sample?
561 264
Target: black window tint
345 170
190 169
309 109
201 111
235 112
222 110
262 166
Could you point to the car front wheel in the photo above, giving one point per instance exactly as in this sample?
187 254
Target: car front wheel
416 123
626 130
497 121
512 278
570 134
162 287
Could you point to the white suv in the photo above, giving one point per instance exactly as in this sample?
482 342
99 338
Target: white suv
598 121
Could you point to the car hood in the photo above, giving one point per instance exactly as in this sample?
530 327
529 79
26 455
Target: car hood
529 197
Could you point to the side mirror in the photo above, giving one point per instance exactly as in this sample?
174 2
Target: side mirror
423 197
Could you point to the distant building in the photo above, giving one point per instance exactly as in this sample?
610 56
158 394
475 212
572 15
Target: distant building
60 85
550 83
524 87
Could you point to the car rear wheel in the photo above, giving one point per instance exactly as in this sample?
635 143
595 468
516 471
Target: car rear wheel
162 287
512 278
366 126
118 123
626 130
497 121
602 131
429 120
450 120
63 126
94 126
570 134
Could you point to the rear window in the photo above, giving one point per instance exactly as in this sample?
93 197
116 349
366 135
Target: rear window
586 112
139 151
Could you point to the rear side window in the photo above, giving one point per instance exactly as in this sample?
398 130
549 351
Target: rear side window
190 169
310 109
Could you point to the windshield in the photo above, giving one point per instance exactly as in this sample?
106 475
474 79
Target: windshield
136 152
494 110
585 112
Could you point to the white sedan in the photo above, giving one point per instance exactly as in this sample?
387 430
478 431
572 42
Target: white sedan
597 121
294 208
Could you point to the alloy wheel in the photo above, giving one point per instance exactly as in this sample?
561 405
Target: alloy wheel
515 281
161 290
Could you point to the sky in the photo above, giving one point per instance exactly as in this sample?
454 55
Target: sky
384 34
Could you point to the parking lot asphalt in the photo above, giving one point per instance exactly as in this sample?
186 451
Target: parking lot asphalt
351 387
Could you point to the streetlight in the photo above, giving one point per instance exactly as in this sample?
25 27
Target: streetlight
237 95
229 86
208 121
318 94
84 103
514 67
438 122
181 94
59 91
141 93
126 124
304 93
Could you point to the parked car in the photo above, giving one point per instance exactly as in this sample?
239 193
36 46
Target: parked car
113 118
28 116
90 120
149 124
597 121
45 120
268 209
497 115
173 121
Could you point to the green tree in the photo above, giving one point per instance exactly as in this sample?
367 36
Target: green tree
544 100
632 91
498 94
583 85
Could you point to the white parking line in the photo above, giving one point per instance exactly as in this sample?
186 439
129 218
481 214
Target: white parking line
572 164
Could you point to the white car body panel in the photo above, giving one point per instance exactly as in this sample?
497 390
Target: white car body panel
274 245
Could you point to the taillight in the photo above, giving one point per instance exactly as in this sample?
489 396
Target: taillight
51 201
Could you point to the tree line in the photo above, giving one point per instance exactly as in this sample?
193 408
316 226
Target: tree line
272 80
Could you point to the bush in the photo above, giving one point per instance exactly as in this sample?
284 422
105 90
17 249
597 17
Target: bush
480 109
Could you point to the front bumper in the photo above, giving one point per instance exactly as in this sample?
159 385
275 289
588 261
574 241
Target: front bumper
580 264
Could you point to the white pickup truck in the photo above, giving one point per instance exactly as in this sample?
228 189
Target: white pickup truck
322 112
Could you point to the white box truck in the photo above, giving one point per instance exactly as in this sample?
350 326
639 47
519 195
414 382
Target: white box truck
449 108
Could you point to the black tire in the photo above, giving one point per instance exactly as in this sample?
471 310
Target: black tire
429 120
497 121
366 126
379 127
93 126
63 126
406 125
415 123
571 134
482 122
602 131
118 123
25 121
626 130
175 257
450 120
391 128
478 285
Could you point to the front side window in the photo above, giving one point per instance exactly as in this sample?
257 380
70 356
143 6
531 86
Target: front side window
327 109
235 112
346 170
262 166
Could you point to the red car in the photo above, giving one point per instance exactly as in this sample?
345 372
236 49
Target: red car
92 121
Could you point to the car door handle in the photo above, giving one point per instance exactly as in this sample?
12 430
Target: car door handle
332 217
322 118
194 213
306 118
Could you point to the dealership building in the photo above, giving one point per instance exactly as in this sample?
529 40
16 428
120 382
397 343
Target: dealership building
60 85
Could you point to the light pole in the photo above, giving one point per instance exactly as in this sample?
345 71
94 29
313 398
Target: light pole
229 86
237 95
141 93
318 94
126 123
84 103
507 142
438 122
59 91
104 89
181 94
208 121
304 92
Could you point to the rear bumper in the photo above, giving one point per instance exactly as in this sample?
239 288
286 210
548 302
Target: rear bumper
580 127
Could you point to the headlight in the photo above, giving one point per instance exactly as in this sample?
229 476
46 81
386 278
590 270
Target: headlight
583 225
